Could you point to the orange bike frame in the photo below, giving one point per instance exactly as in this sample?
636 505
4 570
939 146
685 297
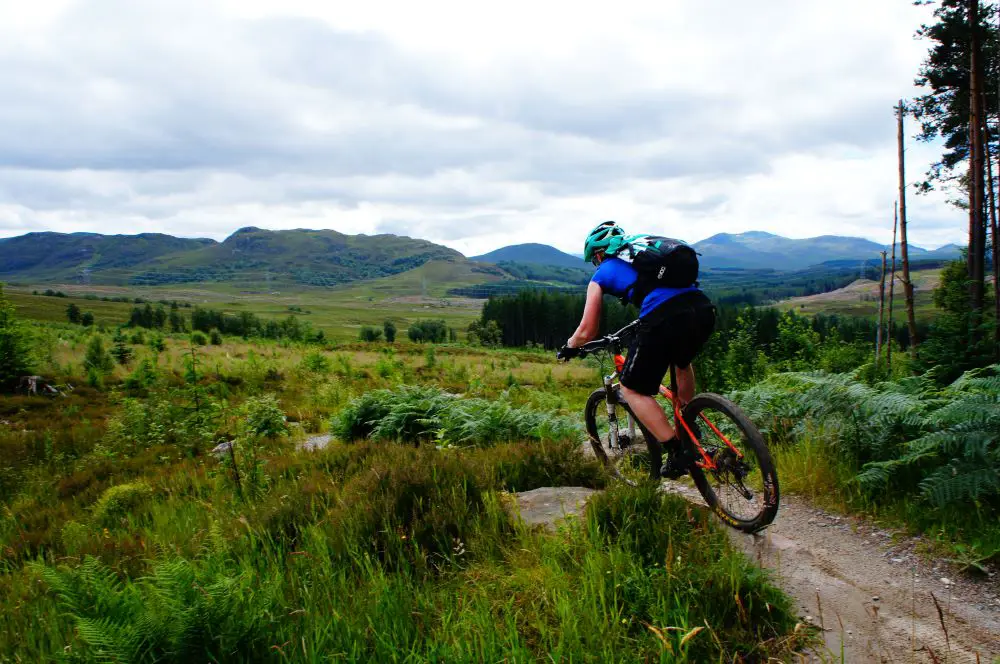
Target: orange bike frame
706 462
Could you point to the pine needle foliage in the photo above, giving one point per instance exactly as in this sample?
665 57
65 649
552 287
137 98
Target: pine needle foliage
908 435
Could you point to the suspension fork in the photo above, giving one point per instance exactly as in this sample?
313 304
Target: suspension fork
610 401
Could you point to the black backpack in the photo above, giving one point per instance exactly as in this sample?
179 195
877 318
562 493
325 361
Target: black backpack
660 261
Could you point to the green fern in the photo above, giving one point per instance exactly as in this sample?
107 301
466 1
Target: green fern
909 435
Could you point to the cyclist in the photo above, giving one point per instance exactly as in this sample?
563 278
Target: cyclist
674 324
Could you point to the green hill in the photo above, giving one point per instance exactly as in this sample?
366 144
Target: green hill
77 257
533 253
248 256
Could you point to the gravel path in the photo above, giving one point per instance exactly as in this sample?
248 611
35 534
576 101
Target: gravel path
868 590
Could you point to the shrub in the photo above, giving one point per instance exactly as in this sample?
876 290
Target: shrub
316 362
86 319
262 416
97 359
215 337
120 501
434 331
73 313
198 339
370 334
389 329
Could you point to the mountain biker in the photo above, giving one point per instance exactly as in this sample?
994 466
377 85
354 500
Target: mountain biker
674 323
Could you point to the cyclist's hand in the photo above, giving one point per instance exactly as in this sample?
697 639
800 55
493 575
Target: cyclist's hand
567 353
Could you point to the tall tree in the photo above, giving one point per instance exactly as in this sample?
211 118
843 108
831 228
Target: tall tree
976 258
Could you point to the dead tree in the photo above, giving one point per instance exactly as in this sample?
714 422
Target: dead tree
911 321
881 314
892 287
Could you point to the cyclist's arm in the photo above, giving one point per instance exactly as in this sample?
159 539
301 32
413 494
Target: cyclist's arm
591 321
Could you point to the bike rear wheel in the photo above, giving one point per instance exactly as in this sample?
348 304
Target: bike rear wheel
743 488
638 455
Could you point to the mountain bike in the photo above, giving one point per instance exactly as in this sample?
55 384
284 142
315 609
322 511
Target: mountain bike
731 465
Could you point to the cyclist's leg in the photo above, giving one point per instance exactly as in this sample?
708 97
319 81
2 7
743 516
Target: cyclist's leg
685 383
649 412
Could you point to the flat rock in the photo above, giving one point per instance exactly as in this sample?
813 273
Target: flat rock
547 505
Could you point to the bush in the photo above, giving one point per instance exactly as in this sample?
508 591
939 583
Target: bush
97 359
198 339
215 337
433 331
316 362
120 501
370 334
87 319
389 328
263 416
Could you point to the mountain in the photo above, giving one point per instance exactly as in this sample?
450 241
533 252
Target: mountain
252 255
74 256
537 254
760 250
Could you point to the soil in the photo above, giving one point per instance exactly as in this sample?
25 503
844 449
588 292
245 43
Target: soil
866 589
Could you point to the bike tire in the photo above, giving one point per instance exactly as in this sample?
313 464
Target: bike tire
619 464
755 473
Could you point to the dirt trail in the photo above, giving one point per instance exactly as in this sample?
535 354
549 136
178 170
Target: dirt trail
869 592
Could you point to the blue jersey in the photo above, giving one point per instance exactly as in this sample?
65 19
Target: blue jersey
617 277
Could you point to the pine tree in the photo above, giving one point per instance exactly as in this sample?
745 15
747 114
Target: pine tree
15 346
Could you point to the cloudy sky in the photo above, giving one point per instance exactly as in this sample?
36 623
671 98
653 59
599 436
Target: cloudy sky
467 123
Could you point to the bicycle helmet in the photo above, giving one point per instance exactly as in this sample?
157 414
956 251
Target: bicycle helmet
607 236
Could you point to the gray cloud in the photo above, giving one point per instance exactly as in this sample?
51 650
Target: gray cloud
174 113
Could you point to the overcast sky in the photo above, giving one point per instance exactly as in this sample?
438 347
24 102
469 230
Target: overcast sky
471 124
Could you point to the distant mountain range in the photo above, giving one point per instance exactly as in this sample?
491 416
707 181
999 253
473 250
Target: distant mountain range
757 249
750 250
258 257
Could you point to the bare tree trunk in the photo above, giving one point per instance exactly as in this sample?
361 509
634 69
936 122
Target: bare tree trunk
977 229
892 287
911 321
881 314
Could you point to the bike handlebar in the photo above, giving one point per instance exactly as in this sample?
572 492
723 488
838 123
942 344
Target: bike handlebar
613 340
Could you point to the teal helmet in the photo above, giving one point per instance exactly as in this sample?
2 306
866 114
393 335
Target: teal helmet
607 236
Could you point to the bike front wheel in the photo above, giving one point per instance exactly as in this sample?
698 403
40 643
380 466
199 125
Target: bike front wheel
743 487
637 456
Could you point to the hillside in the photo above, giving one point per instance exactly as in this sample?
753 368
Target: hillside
250 255
533 253
75 257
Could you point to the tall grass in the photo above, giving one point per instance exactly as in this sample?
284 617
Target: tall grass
430 566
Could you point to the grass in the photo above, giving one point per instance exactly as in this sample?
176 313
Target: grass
144 547
340 313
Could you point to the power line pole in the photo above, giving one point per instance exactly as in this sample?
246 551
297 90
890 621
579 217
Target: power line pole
892 288
881 314
911 321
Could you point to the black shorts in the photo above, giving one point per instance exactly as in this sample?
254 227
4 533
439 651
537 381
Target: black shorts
673 333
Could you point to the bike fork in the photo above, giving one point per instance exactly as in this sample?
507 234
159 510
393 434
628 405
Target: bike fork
611 400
